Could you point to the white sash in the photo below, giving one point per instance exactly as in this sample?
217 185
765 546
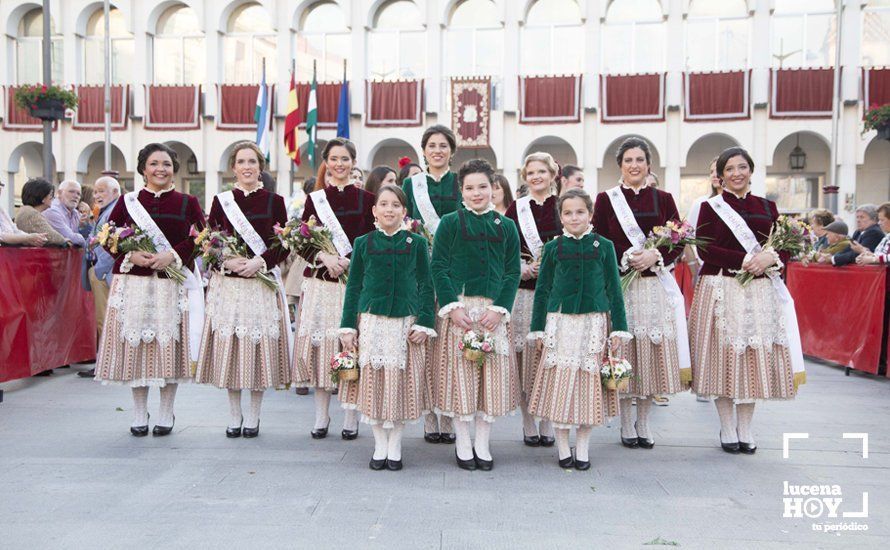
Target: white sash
329 219
192 285
675 297
244 228
528 227
748 240
422 199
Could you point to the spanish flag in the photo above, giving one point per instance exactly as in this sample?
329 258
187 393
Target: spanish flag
292 123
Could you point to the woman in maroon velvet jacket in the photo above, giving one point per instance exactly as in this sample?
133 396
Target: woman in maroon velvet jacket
321 304
738 338
247 327
654 351
145 341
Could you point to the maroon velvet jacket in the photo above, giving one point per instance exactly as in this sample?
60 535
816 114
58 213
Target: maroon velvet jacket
548 224
651 207
175 213
263 210
352 206
723 251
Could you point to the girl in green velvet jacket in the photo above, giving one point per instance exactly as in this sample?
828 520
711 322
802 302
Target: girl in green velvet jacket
476 272
578 309
390 304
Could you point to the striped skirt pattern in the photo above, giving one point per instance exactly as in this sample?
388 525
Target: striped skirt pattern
527 358
737 341
317 340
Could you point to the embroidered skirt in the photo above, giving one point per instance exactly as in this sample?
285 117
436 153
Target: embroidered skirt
391 387
738 342
462 389
245 340
653 351
527 357
145 341
567 387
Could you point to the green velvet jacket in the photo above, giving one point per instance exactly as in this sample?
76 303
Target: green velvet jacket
444 194
476 255
579 276
390 276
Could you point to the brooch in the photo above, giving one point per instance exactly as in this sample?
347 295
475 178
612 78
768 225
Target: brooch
497 221
408 240
596 244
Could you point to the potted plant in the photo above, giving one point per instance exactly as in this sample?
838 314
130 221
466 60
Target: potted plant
877 117
45 102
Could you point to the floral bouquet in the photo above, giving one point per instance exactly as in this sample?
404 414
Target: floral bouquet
476 347
615 374
417 226
123 240
344 367
306 238
673 235
215 247
786 235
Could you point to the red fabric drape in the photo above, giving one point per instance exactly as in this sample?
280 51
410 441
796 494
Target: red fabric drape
850 335
394 103
16 119
237 105
549 99
47 319
632 98
471 111
328 96
173 107
683 275
876 87
717 96
801 93
90 113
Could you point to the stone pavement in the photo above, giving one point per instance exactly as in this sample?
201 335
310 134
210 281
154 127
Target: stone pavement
71 476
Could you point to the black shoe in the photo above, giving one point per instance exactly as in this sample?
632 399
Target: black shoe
567 462
250 433
547 441
320 433
163 430
349 435
432 437
747 448
45 373
393 465
377 464
644 442
465 464
302 391
531 440
139 431
87 373
484 465
447 438
630 442
234 432
335 391
582 464
731 448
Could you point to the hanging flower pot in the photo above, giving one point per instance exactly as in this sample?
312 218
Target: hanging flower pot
884 132
48 109
45 102
877 117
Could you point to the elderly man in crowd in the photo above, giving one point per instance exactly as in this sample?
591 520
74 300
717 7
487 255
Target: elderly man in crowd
106 193
63 214
819 218
838 242
881 254
866 238
10 234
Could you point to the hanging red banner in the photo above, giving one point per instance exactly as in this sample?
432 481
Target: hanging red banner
471 111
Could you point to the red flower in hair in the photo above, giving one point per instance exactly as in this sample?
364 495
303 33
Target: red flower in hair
404 161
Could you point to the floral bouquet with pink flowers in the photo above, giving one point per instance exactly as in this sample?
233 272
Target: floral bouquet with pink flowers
306 237
130 238
417 226
344 367
215 247
786 235
476 347
672 235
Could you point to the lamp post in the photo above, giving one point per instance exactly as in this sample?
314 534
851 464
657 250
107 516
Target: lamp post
47 79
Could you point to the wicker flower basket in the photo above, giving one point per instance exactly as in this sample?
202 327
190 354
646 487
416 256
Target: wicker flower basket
348 375
474 355
619 385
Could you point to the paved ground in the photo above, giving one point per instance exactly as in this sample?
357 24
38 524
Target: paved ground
71 476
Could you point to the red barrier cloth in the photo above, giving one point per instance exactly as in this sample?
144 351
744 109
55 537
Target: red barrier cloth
801 93
875 87
173 107
47 319
90 112
840 312
717 96
389 104
16 119
327 96
632 98
684 278
237 106
549 99
471 111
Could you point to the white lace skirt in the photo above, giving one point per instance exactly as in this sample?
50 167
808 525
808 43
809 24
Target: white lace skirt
527 358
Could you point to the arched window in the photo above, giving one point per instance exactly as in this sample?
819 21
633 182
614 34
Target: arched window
324 38
178 48
474 39
397 42
803 33
552 39
94 48
876 33
29 49
717 35
249 39
633 37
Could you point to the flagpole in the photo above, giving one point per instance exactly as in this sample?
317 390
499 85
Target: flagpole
293 72
106 8
830 191
312 142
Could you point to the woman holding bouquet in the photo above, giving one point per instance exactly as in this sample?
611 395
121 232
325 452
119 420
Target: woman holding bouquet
431 195
656 315
346 212
744 339
247 328
390 304
536 217
152 327
577 299
476 273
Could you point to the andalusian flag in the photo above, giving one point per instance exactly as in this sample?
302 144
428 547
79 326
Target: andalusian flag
292 123
263 117
312 122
